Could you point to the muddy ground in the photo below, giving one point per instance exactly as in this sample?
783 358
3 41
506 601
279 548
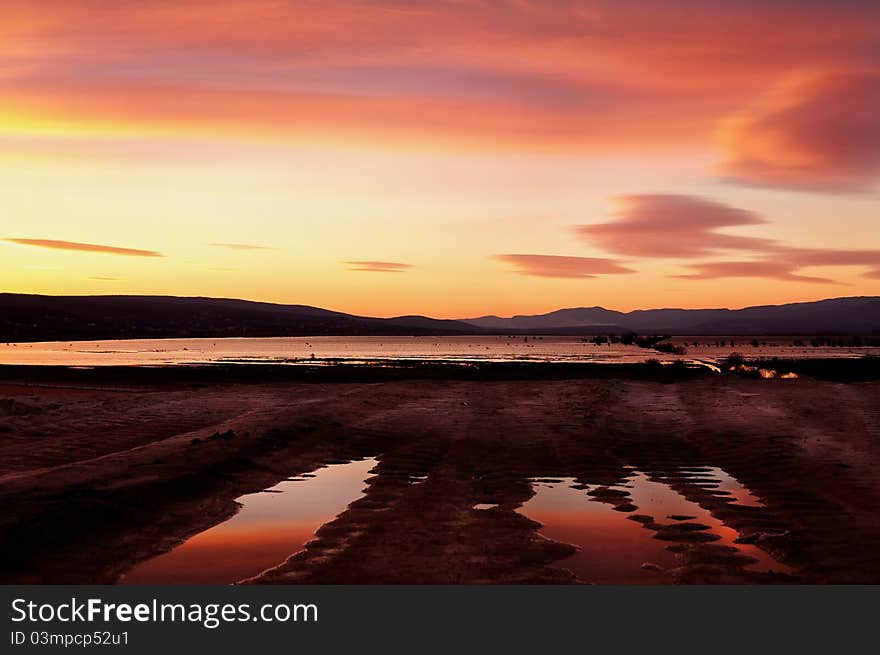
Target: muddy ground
95 478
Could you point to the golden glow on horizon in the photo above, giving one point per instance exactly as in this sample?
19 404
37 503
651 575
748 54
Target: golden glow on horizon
463 145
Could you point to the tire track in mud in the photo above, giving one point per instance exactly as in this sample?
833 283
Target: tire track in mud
814 506
417 521
445 447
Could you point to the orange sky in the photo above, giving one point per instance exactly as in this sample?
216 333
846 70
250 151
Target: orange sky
452 158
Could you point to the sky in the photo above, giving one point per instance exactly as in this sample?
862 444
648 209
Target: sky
452 158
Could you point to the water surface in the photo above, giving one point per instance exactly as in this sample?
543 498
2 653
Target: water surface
614 549
304 350
270 527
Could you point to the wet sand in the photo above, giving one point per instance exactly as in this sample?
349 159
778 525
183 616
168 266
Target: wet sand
99 475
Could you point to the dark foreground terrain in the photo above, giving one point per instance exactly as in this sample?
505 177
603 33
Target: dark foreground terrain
97 476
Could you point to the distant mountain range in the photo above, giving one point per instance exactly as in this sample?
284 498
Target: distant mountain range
67 318
70 318
859 315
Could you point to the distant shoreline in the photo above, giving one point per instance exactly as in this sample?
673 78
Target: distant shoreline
844 369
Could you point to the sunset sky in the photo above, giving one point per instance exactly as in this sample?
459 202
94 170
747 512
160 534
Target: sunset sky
450 158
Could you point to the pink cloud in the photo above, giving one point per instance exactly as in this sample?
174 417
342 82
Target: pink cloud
560 266
787 261
773 270
686 227
818 257
820 133
869 259
518 73
662 225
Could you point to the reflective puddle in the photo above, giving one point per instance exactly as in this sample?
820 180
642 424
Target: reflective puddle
270 527
632 532
738 493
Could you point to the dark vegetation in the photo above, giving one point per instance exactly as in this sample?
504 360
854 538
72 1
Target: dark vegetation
838 369
854 341
386 370
658 343
670 348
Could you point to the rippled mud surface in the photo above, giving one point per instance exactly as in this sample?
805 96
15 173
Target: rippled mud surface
609 481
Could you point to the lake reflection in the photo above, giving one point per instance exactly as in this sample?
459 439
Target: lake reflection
354 349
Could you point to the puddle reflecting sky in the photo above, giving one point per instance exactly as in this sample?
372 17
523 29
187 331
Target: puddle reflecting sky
738 492
270 527
614 548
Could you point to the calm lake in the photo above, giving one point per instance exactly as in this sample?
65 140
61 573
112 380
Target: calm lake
303 350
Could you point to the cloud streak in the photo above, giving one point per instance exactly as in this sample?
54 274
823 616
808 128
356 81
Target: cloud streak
84 247
819 133
378 267
771 270
524 73
562 266
240 246
625 119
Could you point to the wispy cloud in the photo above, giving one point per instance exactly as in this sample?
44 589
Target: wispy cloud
869 259
562 266
772 270
104 278
378 267
240 246
831 257
86 247
516 72
820 133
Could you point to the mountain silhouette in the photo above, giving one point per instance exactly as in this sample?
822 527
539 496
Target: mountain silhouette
858 314
67 318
